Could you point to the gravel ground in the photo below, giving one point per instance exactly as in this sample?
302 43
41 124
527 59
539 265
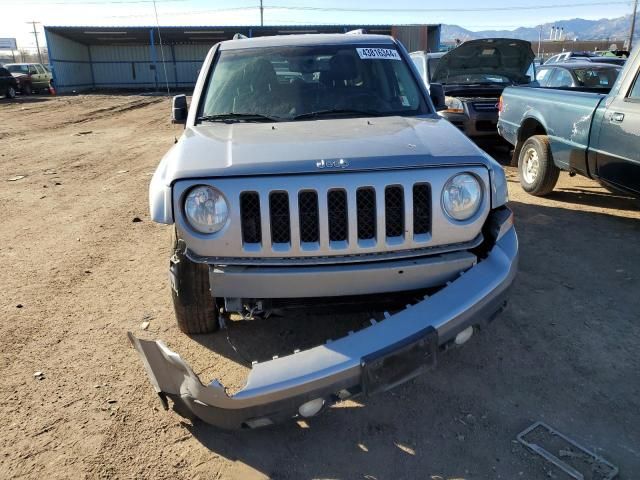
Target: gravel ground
78 273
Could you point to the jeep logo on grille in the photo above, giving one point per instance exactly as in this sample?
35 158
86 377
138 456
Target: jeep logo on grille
342 163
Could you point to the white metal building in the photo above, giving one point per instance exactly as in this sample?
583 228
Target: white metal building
85 58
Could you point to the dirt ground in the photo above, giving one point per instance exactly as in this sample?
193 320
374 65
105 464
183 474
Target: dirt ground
78 273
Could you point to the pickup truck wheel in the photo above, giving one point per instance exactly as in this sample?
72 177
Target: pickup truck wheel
195 307
11 92
538 173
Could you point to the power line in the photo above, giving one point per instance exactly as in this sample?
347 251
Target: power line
186 12
110 2
450 10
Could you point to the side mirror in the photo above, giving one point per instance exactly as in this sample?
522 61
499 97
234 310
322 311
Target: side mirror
179 109
33 71
436 92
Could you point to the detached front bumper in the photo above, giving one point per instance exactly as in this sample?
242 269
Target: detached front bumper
376 358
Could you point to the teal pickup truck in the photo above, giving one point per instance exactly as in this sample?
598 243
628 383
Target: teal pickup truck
585 133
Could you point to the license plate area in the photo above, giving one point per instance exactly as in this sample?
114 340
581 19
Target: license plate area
400 362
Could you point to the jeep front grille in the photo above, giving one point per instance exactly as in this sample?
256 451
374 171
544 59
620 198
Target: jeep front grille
341 215
366 200
396 205
394 210
280 221
421 208
308 208
250 217
338 215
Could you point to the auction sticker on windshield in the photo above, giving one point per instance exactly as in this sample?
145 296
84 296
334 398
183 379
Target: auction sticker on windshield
378 53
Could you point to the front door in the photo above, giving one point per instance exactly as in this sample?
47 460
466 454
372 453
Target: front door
617 145
41 81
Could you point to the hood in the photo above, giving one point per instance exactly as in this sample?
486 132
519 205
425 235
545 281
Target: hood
496 56
219 149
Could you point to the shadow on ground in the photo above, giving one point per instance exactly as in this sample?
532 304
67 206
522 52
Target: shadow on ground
26 100
602 198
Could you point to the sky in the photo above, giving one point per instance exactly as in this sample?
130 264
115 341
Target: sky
471 14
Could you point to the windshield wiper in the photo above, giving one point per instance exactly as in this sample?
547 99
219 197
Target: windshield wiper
338 111
238 117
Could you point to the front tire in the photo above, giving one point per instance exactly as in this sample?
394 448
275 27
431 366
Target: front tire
11 93
538 173
27 90
195 307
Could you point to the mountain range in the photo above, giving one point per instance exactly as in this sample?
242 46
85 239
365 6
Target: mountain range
577 28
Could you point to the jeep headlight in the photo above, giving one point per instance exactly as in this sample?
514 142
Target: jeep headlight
462 196
206 209
453 105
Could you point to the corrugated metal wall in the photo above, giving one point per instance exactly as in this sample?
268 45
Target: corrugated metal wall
189 59
78 66
127 66
72 66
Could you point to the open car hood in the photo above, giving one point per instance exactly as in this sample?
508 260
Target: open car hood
498 56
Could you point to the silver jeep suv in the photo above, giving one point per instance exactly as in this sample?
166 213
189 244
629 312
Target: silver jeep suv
316 166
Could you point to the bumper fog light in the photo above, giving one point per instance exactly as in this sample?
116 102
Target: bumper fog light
464 336
311 408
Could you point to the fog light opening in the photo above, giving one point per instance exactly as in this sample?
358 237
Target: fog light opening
311 408
464 336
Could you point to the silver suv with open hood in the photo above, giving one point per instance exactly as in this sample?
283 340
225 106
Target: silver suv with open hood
473 76
316 167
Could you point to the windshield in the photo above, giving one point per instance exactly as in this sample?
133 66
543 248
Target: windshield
18 68
288 83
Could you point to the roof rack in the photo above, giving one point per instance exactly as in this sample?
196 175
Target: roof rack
359 31
239 36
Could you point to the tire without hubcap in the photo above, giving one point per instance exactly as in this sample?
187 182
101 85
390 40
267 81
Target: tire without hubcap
538 173
195 307
11 92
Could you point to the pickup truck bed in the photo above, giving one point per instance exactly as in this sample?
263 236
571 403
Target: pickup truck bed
571 113
586 133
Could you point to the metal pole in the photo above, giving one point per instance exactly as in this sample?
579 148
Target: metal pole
154 58
261 14
164 63
539 41
633 24
35 34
